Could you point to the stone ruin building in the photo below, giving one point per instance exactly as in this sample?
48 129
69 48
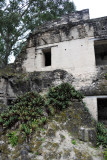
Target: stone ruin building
71 49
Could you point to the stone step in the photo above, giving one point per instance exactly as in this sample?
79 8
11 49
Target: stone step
87 135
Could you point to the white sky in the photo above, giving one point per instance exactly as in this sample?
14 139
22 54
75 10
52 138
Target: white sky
97 8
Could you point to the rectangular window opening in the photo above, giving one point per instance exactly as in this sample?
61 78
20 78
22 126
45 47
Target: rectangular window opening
100 48
47 56
9 102
102 110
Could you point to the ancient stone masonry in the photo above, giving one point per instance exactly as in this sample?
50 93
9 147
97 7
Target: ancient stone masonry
14 84
70 49
56 141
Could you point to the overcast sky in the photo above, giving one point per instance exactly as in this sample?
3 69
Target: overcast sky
97 8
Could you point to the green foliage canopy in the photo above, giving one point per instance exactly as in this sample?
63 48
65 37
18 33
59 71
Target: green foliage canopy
19 17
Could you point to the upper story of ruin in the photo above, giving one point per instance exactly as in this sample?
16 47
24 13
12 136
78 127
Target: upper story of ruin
74 43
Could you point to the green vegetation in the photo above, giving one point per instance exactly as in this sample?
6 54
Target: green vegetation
105 154
101 135
13 138
19 17
60 97
27 110
74 141
30 112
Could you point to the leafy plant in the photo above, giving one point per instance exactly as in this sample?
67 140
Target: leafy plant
101 135
105 154
60 97
13 138
19 17
37 153
28 110
74 141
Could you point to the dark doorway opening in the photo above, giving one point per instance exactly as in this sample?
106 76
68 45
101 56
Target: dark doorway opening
102 110
47 56
9 102
100 48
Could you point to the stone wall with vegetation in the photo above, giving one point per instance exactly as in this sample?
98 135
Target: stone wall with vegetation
54 126
57 124
14 83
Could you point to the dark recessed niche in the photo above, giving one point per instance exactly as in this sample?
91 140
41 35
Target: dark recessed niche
47 56
9 102
100 48
102 109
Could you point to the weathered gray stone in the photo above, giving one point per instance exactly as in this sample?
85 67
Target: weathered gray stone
92 136
24 153
51 132
82 134
87 135
28 148
1 130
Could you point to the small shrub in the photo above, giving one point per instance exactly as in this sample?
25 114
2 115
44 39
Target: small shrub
28 110
74 141
13 138
60 97
105 154
101 135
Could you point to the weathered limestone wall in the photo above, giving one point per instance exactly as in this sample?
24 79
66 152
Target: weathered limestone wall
65 19
62 36
17 84
75 56
2 90
29 63
71 41
40 81
6 91
91 103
